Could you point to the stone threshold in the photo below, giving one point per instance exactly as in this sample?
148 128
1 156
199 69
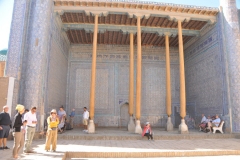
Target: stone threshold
70 155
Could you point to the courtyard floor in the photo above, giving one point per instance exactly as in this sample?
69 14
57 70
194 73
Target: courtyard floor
96 145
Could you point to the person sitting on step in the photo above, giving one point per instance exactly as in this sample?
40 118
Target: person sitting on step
203 123
147 131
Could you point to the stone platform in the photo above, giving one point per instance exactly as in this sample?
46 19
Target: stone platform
123 134
118 143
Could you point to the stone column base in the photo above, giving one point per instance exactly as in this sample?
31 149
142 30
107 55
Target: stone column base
91 127
131 125
183 128
138 128
169 126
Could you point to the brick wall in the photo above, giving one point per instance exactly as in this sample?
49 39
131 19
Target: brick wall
4 91
2 68
112 82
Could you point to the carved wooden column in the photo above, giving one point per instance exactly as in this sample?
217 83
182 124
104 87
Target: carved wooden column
138 128
131 125
169 126
91 126
182 127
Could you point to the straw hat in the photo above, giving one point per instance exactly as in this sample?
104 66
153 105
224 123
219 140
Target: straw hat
53 111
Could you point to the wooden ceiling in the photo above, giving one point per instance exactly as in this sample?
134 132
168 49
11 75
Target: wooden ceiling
118 38
118 19
151 6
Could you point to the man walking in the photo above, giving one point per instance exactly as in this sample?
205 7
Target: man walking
31 119
5 123
72 117
85 119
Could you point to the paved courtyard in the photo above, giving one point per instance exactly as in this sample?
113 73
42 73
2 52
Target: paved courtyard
101 147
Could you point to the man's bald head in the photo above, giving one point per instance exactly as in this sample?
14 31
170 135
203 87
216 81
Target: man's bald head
5 108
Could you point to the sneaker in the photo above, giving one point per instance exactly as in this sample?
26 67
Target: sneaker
1 148
53 150
6 147
86 131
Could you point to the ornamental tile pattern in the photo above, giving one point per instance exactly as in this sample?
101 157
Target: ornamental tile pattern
16 38
205 74
112 82
231 27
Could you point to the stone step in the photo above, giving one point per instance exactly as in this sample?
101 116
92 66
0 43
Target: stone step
139 137
184 153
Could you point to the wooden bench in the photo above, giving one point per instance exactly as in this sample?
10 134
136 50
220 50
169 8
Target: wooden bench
218 128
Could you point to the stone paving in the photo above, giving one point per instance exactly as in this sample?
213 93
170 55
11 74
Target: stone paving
123 146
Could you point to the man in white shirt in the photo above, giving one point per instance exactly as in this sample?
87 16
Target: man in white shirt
85 119
214 123
31 119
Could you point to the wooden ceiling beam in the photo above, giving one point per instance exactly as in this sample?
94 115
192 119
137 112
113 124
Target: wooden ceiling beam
69 37
72 36
86 37
122 39
175 41
81 36
66 15
153 39
105 37
150 37
162 42
127 38
91 37
77 36
72 18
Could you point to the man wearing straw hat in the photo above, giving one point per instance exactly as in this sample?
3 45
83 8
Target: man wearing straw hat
51 136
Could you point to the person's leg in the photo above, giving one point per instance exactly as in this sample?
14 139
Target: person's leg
5 142
147 135
27 138
21 142
54 140
17 139
31 137
48 140
1 139
71 122
151 136
1 142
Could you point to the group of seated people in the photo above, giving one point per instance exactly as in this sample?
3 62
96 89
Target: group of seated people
207 123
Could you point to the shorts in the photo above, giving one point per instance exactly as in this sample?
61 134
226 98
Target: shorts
214 125
85 122
4 133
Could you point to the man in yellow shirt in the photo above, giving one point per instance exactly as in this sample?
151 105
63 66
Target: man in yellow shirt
51 137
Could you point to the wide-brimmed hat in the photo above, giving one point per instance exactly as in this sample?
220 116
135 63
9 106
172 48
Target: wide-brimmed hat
53 111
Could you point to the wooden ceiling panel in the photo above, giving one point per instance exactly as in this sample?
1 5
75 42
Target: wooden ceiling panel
117 19
119 38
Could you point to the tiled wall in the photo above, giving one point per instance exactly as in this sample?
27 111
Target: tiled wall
57 69
112 82
204 70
